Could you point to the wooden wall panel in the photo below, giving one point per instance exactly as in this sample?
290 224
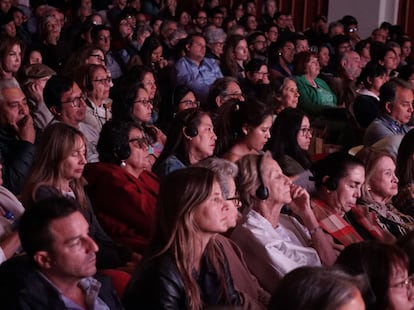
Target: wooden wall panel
406 16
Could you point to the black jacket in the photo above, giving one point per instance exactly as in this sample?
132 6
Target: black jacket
23 288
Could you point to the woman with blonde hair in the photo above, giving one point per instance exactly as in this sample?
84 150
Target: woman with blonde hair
57 171
191 211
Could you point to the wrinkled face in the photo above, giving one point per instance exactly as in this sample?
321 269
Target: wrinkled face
241 52
312 67
101 84
290 95
210 217
197 49
142 110
384 182
401 290
323 56
73 253
217 48
349 189
156 54
71 168
139 158
232 213
302 46
149 84
202 145
73 108
287 52
304 134
187 102
35 58
402 108
277 183
353 65
256 137
14 107
13 59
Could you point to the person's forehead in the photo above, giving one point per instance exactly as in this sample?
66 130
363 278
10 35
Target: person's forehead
65 228
12 93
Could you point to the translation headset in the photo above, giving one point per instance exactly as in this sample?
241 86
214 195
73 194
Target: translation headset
262 192
123 151
331 183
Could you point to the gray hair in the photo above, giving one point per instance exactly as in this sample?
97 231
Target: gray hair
7 84
223 169
214 35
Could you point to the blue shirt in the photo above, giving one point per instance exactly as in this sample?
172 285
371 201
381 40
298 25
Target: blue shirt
383 126
197 77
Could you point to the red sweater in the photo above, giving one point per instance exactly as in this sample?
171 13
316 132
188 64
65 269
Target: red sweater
124 204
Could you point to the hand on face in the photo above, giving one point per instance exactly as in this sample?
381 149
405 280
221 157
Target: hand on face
300 203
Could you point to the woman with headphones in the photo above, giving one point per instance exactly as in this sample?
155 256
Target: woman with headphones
122 188
191 138
338 180
275 243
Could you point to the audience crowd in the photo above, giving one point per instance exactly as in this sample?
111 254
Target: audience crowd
161 156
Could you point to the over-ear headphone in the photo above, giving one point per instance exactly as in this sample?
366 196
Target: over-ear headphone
331 183
190 131
262 192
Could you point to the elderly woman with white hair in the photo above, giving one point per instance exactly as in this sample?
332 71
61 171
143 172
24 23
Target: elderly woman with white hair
215 38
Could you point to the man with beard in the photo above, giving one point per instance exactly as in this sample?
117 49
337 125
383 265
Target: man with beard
59 269
257 44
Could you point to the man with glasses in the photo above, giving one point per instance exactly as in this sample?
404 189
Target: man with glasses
67 103
257 44
199 21
17 135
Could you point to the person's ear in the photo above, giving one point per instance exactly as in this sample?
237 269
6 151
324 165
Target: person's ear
219 101
55 110
43 259
245 129
388 107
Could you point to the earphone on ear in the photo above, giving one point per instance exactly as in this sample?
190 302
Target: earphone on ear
122 152
331 183
191 132
262 192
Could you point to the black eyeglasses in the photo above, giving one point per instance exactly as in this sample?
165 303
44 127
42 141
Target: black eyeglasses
107 80
306 131
141 142
99 57
236 201
145 102
76 102
191 103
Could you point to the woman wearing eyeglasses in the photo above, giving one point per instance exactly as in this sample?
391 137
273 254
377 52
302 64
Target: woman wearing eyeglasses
386 269
121 187
57 171
291 136
96 83
134 102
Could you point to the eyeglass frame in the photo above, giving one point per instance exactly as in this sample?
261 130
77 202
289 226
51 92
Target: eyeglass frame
145 102
407 283
76 99
107 80
304 132
236 201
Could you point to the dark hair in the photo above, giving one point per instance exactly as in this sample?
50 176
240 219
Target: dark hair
283 139
113 143
150 44
84 76
405 163
377 262
381 52
405 72
301 60
124 100
388 91
361 45
335 166
235 114
254 65
97 29
54 89
339 39
315 288
370 71
177 144
275 47
218 88
251 38
348 20
406 243
228 63
34 224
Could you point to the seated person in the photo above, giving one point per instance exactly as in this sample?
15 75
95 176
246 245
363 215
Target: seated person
59 271
289 143
396 98
276 243
121 187
190 139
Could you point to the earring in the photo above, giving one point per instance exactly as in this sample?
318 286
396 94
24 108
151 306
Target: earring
123 164
280 54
